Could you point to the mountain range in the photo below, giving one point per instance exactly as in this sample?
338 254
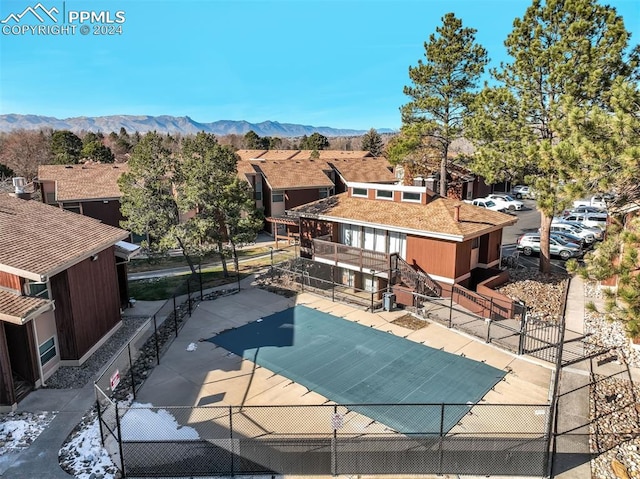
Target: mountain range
168 124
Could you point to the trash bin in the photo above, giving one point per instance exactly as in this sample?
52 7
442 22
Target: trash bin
387 301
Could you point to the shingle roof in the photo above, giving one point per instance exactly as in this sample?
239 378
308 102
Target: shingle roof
278 154
364 170
249 154
20 309
332 154
434 218
294 174
244 168
42 240
84 182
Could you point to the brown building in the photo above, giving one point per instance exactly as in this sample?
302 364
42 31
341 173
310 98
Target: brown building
59 293
284 179
373 229
90 189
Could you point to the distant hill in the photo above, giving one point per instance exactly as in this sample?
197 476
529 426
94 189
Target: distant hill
168 124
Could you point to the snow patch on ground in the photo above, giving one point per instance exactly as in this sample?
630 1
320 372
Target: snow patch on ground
19 430
142 423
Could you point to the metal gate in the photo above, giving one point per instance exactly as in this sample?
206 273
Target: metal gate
542 340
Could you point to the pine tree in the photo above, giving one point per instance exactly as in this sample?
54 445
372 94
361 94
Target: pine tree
566 54
441 93
372 142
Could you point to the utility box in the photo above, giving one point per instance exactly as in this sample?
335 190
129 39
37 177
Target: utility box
388 300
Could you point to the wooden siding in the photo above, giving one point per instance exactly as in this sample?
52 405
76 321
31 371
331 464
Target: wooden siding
7 392
87 300
463 258
490 247
10 281
109 213
64 316
293 198
435 257
95 298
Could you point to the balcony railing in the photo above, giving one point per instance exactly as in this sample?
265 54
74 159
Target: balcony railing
363 259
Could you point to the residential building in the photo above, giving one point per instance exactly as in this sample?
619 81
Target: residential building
59 293
90 189
373 230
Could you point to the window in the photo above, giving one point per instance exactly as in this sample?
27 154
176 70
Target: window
258 190
323 192
47 351
475 243
384 194
257 195
359 192
73 207
409 196
50 198
277 197
36 289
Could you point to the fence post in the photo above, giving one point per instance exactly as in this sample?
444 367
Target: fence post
523 333
133 377
333 285
189 296
440 451
155 334
120 440
334 445
175 314
271 254
99 418
488 339
231 439
200 279
451 308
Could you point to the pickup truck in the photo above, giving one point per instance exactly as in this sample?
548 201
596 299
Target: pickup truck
486 203
598 201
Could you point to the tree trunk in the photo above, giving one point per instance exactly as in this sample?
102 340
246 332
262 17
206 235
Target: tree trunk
223 260
443 176
545 255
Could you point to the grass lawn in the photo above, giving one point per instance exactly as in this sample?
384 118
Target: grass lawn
164 262
165 287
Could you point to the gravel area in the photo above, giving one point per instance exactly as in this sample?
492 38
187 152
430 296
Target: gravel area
409 321
606 333
542 294
72 377
615 416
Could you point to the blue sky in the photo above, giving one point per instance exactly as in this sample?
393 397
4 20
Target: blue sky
339 63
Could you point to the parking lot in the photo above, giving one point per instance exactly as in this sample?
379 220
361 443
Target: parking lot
528 221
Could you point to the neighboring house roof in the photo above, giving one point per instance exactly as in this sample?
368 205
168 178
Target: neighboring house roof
244 168
435 219
363 170
331 154
39 240
84 182
278 154
294 174
250 154
20 309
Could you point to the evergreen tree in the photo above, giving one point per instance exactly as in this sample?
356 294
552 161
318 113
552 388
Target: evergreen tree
441 93
372 142
314 142
566 54
147 201
66 147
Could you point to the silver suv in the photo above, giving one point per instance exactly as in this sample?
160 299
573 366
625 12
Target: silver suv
529 243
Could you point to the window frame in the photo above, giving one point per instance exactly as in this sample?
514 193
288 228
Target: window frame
277 193
358 192
42 353
388 198
411 200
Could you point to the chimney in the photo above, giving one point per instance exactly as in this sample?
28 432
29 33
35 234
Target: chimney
456 213
19 184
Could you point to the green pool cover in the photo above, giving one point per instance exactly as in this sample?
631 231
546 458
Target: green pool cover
353 364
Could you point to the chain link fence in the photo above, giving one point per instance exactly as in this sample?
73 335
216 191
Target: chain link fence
335 439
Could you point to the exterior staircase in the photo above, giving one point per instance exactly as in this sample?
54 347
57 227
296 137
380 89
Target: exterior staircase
419 281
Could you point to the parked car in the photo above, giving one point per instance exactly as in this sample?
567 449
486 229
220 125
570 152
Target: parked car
566 228
486 203
522 191
529 243
506 201
585 209
599 201
598 233
598 220
568 237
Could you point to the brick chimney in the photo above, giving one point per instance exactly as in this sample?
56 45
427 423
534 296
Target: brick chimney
456 213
